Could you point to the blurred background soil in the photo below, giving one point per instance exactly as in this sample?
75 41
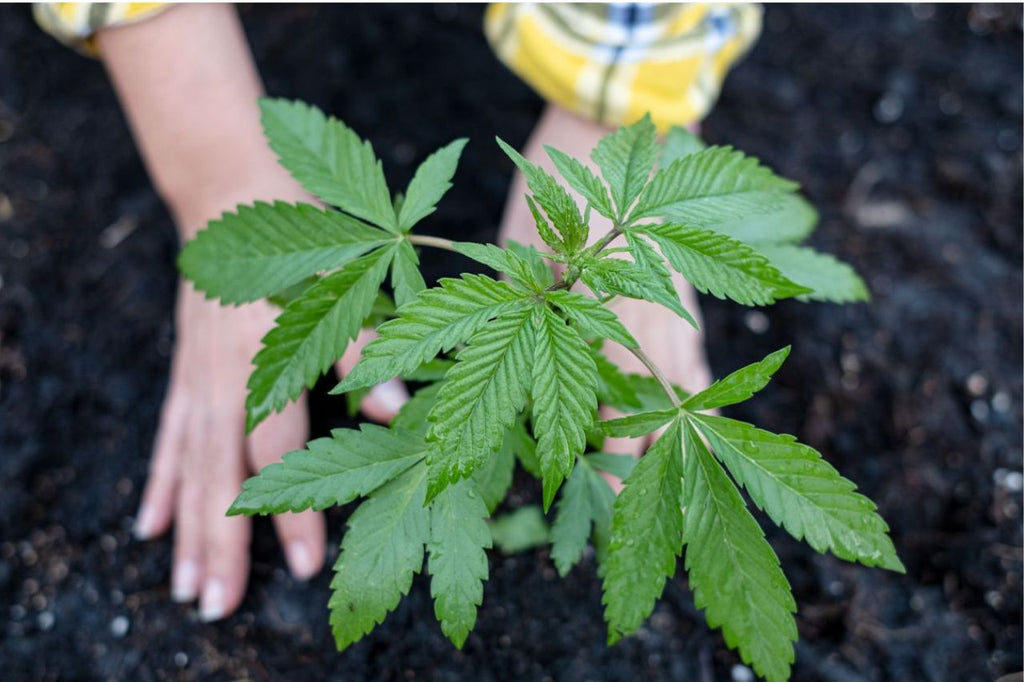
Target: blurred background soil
902 123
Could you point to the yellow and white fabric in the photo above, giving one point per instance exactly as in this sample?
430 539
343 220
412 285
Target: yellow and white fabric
607 62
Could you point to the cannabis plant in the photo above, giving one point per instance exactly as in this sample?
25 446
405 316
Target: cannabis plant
512 370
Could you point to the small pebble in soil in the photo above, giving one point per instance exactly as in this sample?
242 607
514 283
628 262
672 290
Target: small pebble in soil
889 108
45 620
950 103
977 384
108 543
741 673
1011 481
119 626
1001 402
181 659
757 321
979 410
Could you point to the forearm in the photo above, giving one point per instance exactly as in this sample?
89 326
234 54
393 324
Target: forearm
188 85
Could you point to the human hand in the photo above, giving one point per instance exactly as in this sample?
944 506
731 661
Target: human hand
202 455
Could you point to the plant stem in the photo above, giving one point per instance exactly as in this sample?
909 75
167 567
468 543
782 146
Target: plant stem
658 375
436 242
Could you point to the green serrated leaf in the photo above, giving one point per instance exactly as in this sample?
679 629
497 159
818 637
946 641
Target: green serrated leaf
311 334
792 219
330 471
622 278
544 228
645 538
381 551
583 180
679 143
329 160
520 442
709 186
263 249
494 478
614 388
801 492
406 279
504 261
720 265
733 571
541 270
555 200
626 158
619 466
740 385
412 416
638 425
520 530
592 317
434 322
431 370
571 528
458 563
828 278
433 178
481 397
660 288
564 398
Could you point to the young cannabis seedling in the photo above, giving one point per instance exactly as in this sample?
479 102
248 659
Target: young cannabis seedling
513 370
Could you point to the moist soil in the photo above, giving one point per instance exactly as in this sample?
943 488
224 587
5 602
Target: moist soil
902 124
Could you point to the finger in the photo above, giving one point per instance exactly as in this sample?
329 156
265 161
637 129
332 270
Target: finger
187 568
303 536
226 538
382 403
157 506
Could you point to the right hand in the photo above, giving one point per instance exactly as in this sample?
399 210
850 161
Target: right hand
202 454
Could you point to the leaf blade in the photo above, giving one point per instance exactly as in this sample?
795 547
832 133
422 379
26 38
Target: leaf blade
481 397
437 320
431 182
645 537
260 250
311 334
330 471
709 186
801 492
592 317
329 160
739 385
381 551
724 267
457 561
564 398
733 571
626 158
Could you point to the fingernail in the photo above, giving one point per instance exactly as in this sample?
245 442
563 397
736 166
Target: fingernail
211 606
144 522
300 559
391 395
185 580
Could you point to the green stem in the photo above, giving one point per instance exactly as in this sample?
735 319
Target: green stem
436 242
658 375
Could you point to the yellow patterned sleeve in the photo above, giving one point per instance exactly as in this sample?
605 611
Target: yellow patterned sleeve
75 23
612 62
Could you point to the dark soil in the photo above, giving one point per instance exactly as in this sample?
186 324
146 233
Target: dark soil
904 126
